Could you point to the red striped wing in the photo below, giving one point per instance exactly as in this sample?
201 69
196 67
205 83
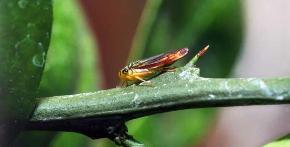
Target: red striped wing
161 60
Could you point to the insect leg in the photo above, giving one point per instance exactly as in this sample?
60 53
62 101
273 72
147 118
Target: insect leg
143 81
121 83
169 69
140 79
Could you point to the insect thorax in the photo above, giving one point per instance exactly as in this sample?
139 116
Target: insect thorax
132 64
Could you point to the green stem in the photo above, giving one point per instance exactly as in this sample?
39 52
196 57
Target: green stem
182 93
93 113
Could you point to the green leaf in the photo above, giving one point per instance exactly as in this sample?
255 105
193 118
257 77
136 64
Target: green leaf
283 142
25 28
69 68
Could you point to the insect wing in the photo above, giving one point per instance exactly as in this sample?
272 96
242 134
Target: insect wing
146 62
161 60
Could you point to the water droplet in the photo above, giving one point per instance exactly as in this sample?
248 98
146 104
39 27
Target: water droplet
22 4
40 46
38 60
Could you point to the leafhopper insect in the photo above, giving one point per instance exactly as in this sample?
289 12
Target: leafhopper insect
143 69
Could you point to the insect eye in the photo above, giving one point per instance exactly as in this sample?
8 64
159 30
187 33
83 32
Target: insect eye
124 71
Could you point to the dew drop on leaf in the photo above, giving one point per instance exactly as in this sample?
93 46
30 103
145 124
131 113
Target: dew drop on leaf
38 60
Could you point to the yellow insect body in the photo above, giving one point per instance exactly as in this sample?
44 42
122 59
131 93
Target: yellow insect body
134 74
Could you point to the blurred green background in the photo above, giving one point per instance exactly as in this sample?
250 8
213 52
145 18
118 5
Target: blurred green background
73 64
